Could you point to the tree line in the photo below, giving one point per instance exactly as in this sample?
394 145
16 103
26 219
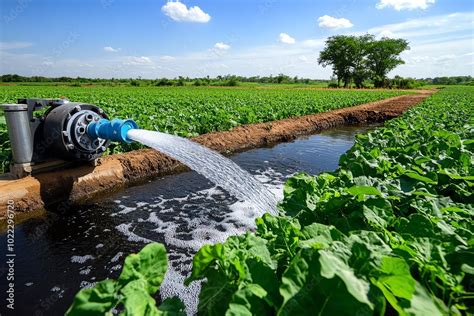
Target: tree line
359 58
222 79
231 80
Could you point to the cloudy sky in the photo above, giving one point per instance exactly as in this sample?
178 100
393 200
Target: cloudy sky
161 38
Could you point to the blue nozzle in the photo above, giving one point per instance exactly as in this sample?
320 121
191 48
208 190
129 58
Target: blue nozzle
115 130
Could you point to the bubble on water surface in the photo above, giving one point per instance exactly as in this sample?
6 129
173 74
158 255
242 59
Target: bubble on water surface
81 259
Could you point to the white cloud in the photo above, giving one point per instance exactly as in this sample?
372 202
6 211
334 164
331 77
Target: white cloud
405 4
14 45
330 22
303 58
437 59
386 33
313 43
167 58
137 60
179 12
111 49
426 27
222 46
286 39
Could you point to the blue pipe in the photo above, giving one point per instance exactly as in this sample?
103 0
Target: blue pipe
115 130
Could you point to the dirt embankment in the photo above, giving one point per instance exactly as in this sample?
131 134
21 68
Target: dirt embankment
84 183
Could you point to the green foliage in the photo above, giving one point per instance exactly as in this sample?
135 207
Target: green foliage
165 82
390 231
403 83
141 277
338 52
357 58
232 82
191 111
383 56
5 150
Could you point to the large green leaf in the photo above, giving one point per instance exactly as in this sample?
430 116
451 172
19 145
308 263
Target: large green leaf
137 300
98 300
307 290
149 265
249 300
395 276
203 259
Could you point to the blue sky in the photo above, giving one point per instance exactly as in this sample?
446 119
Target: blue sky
160 38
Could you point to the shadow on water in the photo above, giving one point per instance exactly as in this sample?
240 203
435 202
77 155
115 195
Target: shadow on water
60 253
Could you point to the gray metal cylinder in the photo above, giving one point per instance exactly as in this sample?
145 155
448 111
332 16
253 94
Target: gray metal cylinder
21 140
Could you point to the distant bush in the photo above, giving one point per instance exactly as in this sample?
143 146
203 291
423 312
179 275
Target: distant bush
163 82
333 85
403 83
232 82
180 83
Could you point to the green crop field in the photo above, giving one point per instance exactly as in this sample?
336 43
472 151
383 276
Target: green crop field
389 232
190 111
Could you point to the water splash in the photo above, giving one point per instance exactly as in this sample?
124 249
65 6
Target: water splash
212 165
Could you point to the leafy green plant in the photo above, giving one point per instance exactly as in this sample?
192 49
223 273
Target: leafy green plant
5 150
133 292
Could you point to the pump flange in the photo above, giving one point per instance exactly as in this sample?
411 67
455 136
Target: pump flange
65 130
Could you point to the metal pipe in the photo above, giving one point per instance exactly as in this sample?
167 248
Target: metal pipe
115 130
19 132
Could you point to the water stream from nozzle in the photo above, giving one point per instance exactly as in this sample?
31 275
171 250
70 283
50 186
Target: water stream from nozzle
212 165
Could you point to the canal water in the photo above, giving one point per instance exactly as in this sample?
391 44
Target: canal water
59 254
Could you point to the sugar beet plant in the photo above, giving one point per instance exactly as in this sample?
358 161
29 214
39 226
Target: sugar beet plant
389 232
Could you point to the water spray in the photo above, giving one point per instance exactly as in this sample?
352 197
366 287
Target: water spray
63 132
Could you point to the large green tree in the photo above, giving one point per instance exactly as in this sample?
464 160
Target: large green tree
359 62
383 56
357 58
338 53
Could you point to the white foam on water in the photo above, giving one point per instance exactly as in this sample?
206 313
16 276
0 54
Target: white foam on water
85 271
125 229
126 210
116 267
81 259
173 285
116 257
87 284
